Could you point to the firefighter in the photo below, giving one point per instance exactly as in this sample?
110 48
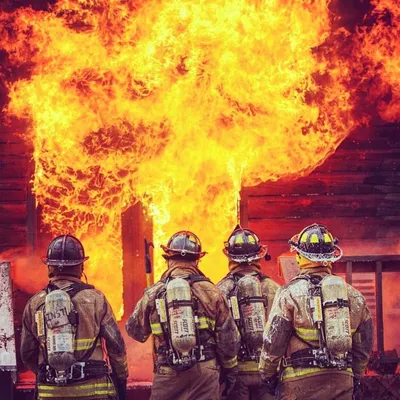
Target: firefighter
64 330
250 295
319 328
194 333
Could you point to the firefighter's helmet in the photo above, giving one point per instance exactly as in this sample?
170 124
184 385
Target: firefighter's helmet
317 244
65 251
243 246
183 245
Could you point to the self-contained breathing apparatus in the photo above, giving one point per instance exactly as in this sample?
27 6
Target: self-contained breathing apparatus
330 309
177 310
246 300
248 306
57 322
329 303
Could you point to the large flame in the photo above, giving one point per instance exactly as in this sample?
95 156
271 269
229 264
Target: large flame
177 104
381 45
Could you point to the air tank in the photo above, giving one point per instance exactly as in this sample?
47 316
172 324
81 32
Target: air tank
60 337
336 315
252 310
181 318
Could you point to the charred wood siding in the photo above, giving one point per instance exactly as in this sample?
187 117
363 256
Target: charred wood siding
356 192
14 178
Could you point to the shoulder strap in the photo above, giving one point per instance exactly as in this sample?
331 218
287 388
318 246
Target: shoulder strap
262 276
73 289
313 279
237 275
194 278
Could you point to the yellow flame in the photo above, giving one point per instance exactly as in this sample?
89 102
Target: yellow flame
381 45
173 103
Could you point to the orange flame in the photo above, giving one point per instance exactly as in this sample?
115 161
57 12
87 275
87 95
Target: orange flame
381 45
176 104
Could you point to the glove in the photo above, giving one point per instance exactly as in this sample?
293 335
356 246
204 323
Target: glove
228 377
120 386
271 383
356 386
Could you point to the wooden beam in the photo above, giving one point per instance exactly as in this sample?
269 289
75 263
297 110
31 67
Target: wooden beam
323 206
343 228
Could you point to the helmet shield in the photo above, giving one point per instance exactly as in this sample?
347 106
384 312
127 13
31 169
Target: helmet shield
65 250
183 245
243 246
317 244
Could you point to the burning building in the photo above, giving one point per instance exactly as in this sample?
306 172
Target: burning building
125 119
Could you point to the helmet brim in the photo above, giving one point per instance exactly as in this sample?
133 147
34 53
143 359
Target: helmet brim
64 263
242 258
169 253
331 257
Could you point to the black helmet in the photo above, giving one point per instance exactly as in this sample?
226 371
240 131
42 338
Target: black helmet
66 251
183 244
317 244
244 246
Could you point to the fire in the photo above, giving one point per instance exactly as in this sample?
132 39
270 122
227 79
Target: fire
380 44
176 104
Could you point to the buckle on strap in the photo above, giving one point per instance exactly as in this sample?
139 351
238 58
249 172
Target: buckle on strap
286 362
77 371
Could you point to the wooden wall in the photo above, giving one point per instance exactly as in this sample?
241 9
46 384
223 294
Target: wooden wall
16 229
356 193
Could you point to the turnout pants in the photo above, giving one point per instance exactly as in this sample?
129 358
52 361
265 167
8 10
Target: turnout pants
249 387
320 387
201 382
93 389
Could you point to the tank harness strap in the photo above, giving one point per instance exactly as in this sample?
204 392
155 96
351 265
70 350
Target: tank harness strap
194 278
80 371
199 350
338 303
252 299
313 279
177 303
314 357
237 275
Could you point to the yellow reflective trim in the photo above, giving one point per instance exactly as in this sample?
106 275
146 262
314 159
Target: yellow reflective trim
156 329
314 238
251 239
206 323
230 363
84 344
304 238
73 387
290 372
307 333
239 239
248 366
87 394
327 238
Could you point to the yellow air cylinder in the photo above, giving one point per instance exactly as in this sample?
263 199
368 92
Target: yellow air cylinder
252 311
336 315
60 335
181 318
